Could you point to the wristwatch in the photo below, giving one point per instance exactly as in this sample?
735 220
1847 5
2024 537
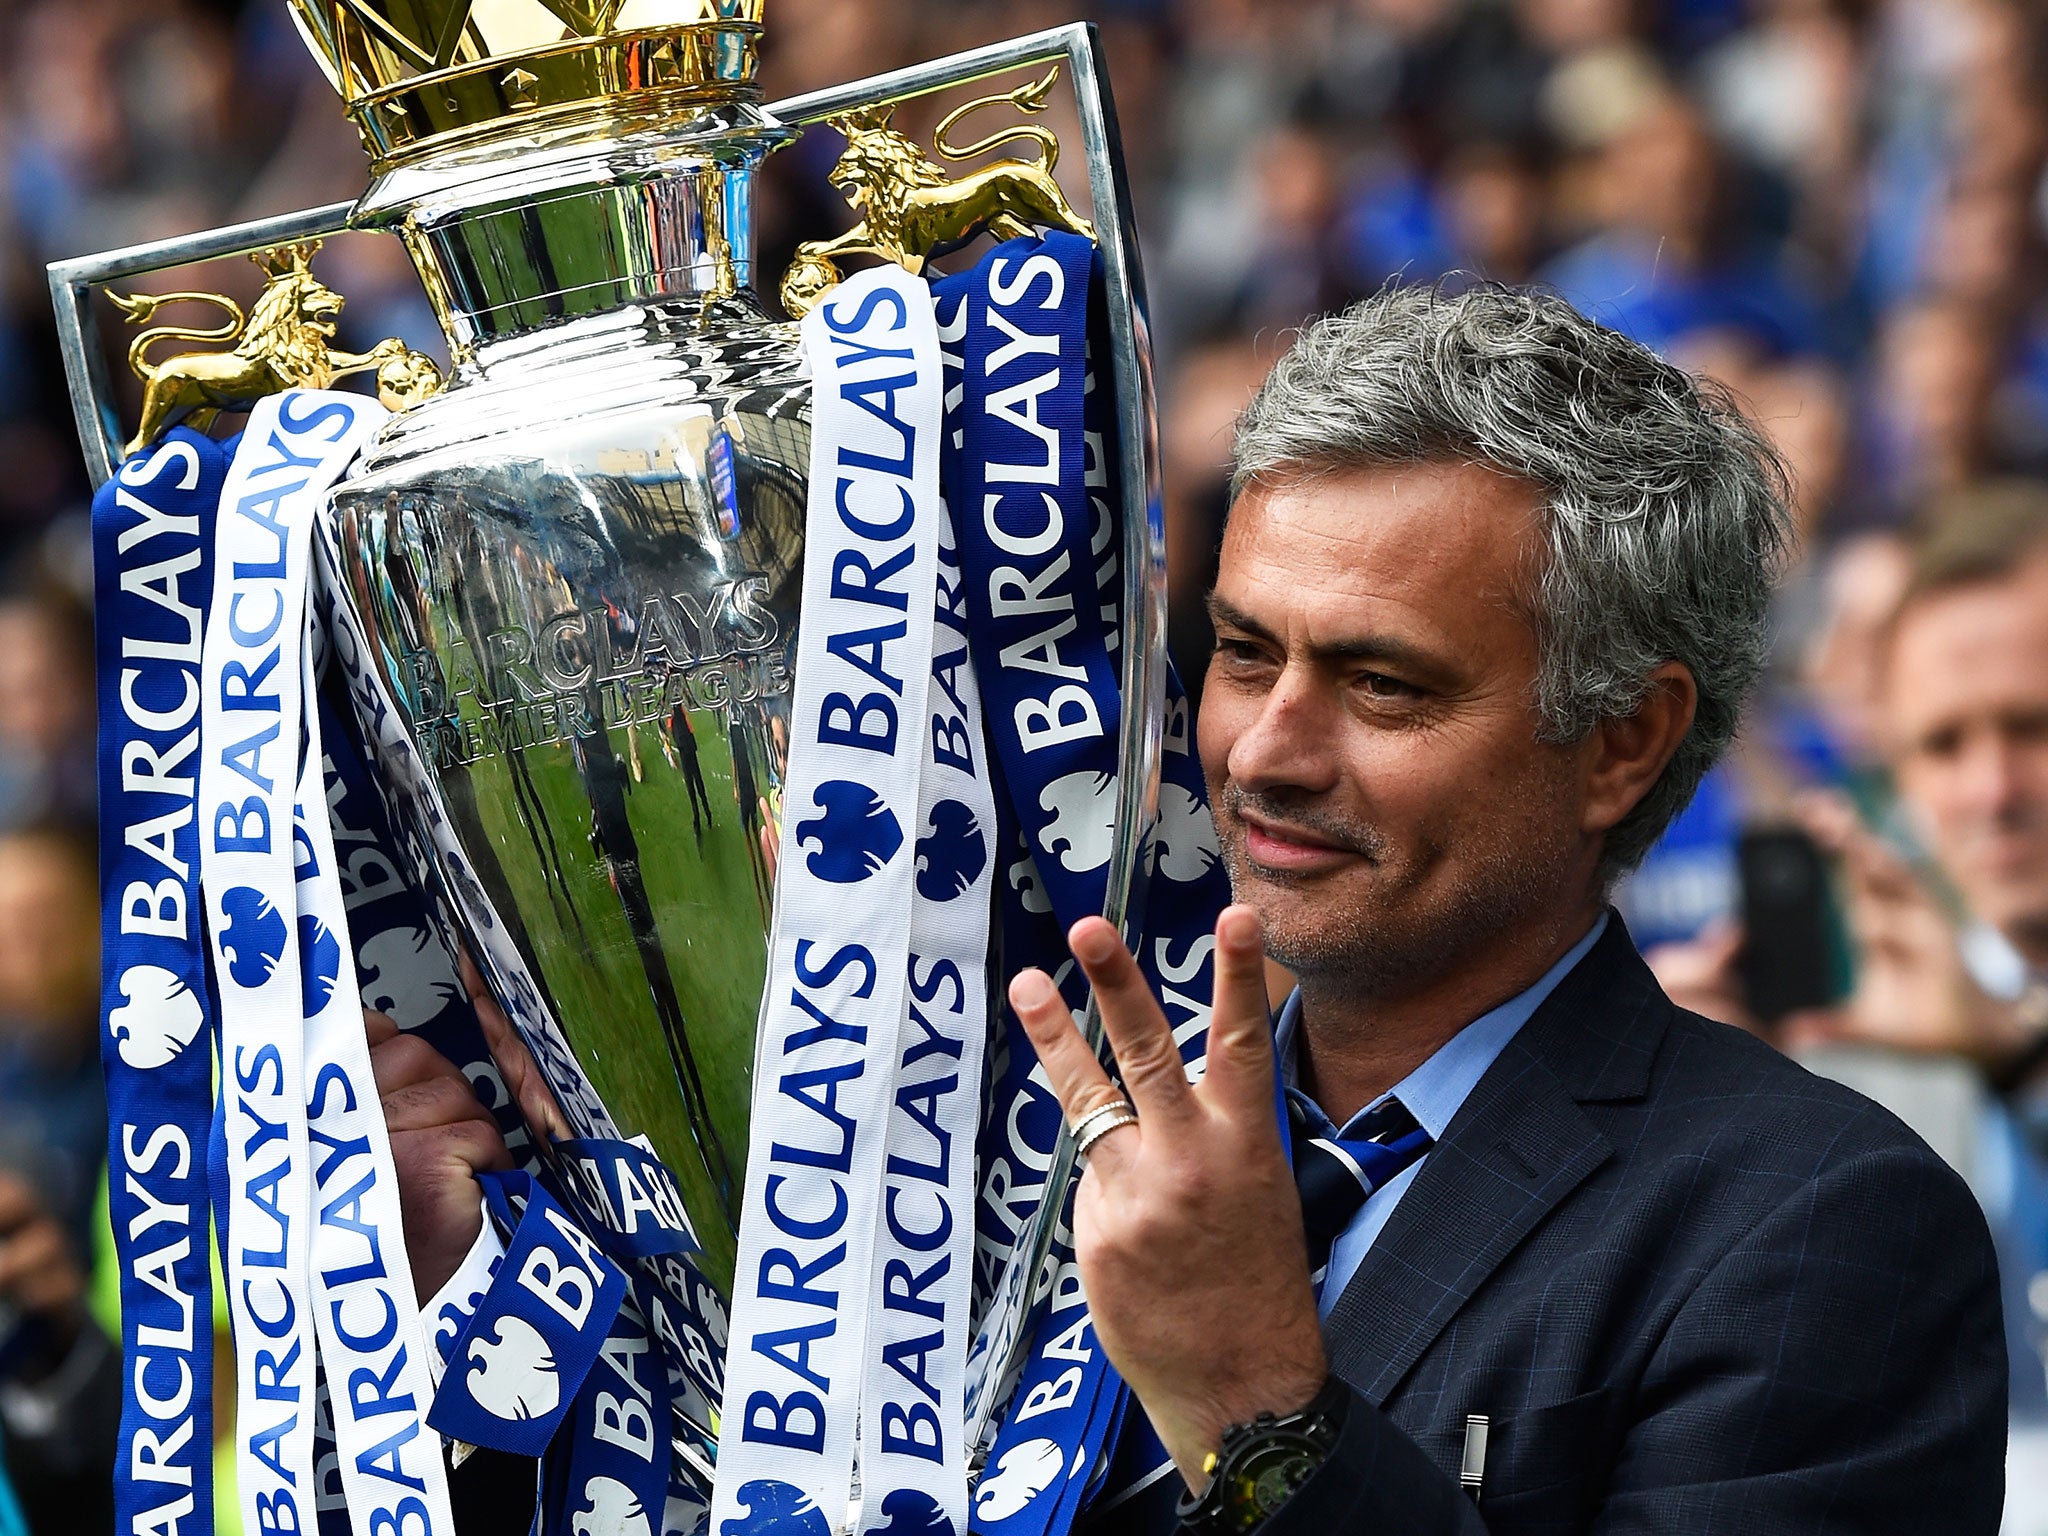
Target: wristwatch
1260 1465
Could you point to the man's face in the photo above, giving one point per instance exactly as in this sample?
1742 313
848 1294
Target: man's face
1369 730
1966 704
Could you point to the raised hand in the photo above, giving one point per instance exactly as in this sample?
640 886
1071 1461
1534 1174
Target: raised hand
1187 1226
1913 990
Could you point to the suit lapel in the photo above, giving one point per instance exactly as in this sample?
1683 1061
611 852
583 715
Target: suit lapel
1518 1146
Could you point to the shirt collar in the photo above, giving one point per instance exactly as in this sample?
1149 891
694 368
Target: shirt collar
1435 1091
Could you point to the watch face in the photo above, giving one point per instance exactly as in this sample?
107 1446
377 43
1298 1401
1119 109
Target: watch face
1267 1477
1275 1484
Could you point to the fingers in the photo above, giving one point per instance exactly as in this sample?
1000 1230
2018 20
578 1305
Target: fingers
1077 1078
407 1059
443 1100
1147 1059
1720 943
18 1202
421 1089
472 1146
516 1065
437 1168
1239 1076
1814 1027
1828 818
1876 869
378 1027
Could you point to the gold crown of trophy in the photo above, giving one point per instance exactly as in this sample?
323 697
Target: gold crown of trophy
584 547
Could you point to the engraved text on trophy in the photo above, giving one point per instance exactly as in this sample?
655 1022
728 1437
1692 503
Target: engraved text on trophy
592 667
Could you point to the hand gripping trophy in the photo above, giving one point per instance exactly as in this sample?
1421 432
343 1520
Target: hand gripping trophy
747 698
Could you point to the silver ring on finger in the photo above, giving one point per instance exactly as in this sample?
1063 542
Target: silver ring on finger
1098 1123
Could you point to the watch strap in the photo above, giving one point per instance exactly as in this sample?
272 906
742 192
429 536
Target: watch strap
1237 1500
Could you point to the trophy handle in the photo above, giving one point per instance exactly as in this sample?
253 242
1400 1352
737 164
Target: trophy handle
93 406
1078 47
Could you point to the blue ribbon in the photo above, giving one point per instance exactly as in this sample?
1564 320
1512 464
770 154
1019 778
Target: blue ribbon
152 530
613 1464
403 967
635 1193
518 1363
1031 467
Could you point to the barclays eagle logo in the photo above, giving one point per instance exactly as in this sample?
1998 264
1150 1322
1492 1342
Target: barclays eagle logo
950 856
1020 1475
856 834
610 1509
158 1018
1083 825
769 1508
913 1513
319 963
512 1376
254 937
405 974
1183 840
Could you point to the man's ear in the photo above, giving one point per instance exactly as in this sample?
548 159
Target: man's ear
1625 756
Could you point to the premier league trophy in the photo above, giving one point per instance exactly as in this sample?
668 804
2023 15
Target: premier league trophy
564 592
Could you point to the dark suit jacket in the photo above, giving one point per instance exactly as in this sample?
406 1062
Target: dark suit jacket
1694 1288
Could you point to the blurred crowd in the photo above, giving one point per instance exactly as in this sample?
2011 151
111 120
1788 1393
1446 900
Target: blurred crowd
1835 209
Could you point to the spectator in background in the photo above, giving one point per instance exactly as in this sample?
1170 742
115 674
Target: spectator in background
1929 431
46 711
60 1385
1668 253
1953 953
53 1124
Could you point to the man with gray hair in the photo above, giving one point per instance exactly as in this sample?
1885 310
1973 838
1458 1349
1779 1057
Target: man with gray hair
1539 1251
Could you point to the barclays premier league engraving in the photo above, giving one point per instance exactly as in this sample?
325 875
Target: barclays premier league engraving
747 698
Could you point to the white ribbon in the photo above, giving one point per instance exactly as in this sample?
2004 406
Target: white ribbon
316 1250
379 1380
913 1459
251 711
835 1000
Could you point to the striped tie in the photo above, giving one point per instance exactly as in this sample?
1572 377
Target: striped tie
1336 1174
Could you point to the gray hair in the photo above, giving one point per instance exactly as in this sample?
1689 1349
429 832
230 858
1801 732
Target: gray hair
1666 509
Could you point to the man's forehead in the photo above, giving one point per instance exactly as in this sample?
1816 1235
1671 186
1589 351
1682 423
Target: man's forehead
1964 647
1430 534
2009 608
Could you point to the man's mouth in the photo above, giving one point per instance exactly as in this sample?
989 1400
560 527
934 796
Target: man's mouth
1280 846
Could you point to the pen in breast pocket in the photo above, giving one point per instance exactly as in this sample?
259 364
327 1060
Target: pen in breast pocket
1472 1473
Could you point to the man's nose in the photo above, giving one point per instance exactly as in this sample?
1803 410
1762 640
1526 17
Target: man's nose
1292 741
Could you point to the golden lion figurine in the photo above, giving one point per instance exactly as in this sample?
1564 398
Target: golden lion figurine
913 211
282 344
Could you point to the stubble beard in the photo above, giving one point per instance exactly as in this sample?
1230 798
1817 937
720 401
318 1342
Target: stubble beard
1401 932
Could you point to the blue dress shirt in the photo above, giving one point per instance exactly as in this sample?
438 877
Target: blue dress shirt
1433 1093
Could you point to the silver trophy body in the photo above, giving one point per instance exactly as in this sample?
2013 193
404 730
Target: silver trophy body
578 569
573 575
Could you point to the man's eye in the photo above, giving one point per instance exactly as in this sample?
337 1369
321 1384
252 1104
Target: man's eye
1380 686
1941 744
1238 650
